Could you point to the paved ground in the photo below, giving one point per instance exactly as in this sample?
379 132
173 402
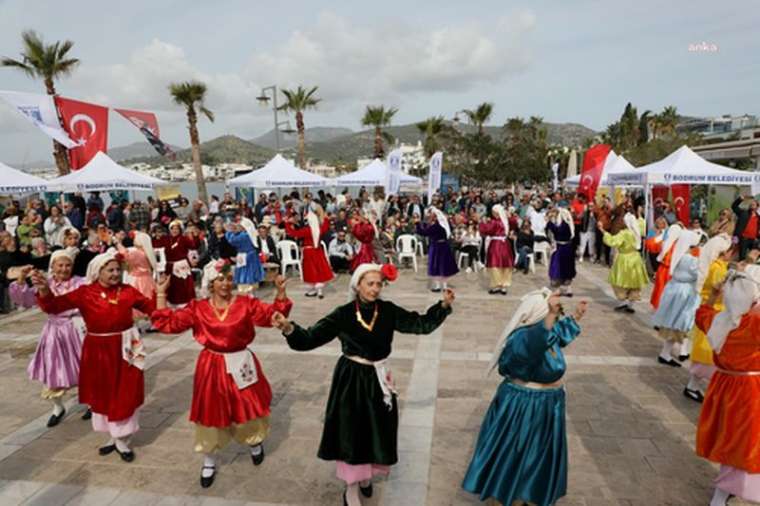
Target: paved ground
630 430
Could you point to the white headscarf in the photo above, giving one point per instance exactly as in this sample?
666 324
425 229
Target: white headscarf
633 225
687 240
61 253
357 276
212 271
97 264
532 309
249 228
313 220
563 214
368 214
442 220
741 291
502 216
143 240
674 231
709 253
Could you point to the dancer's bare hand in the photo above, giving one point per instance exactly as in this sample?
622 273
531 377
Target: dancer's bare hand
752 256
40 282
24 273
555 306
280 283
580 309
163 284
279 321
448 297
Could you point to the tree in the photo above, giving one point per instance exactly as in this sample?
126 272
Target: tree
668 120
297 101
379 117
480 115
191 95
431 128
47 62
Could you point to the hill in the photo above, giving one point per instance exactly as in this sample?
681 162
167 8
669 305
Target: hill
224 149
315 134
135 150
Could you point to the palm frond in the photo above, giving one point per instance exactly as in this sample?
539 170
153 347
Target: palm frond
10 62
209 114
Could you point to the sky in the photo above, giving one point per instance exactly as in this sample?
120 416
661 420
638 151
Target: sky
566 61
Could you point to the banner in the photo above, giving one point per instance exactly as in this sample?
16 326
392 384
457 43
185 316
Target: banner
591 174
147 123
434 175
87 124
394 173
681 202
40 111
555 180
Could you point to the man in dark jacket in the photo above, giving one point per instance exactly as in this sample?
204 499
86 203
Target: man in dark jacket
747 223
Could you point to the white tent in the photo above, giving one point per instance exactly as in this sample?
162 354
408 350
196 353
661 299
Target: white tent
102 174
279 173
613 164
14 181
683 166
374 174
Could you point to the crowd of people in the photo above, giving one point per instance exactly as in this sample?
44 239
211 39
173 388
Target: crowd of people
117 272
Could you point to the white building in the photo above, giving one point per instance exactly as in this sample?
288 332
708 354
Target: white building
321 169
413 160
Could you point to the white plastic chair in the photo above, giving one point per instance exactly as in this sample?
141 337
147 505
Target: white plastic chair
531 263
290 256
406 247
541 248
461 256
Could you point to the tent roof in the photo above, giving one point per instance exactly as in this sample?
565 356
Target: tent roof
102 173
279 173
15 181
683 166
613 164
373 174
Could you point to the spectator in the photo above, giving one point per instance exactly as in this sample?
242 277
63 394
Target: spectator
725 224
341 253
266 245
139 217
54 226
95 201
746 224
524 246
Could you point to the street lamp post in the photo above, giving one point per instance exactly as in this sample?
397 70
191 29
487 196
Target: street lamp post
264 99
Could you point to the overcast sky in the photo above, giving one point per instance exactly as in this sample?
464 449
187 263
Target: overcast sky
567 61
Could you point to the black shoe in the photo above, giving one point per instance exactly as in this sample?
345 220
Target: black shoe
56 419
494 291
127 456
621 308
435 290
87 414
504 291
207 482
657 328
320 296
683 358
671 362
694 395
366 491
258 459
310 294
629 310
345 501
106 450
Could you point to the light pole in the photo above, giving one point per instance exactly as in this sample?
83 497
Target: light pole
264 100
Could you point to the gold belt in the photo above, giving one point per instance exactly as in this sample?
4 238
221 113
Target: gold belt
536 386
740 373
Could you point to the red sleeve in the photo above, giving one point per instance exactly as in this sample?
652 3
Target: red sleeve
487 227
54 304
141 302
325 227
704 317
262 312
191 242
294 232
174 321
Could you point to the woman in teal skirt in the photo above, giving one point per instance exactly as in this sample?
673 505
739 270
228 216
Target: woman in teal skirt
521 452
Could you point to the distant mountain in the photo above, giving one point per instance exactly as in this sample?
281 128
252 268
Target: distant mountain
135 150
224 149
314 134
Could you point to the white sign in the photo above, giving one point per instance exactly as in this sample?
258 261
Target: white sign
555 171
434 176
40 111
394 172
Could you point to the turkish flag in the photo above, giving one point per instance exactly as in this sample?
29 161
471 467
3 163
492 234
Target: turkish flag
659 194
591 174
681 202
87 125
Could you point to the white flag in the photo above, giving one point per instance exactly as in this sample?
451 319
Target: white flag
394 173
40 110
434 176
555 171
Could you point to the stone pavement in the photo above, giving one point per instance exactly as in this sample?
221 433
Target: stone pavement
630 430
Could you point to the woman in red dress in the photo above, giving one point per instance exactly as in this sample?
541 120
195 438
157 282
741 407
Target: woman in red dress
231 395
316 268
662 276
113 357
365 232
179 259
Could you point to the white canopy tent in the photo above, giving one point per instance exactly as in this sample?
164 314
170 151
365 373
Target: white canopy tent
613 164
14 181
279 173
103 174
374 174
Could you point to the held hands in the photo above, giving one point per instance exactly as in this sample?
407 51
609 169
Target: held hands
162 286
448 298
279 321
24 273
280 283
40 282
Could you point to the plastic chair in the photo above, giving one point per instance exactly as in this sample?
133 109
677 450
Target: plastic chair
290 256
541 248
406 247
531 263
461 256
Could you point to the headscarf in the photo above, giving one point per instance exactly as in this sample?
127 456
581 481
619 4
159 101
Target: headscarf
687 240
249 228
709 253
442 220
61 253
212 271
100 261
532 309
177 223
144 241
672 234
313 220
563 214
389 272
502 216
633 225
741 291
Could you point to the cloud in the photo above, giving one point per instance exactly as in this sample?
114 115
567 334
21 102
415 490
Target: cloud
391 59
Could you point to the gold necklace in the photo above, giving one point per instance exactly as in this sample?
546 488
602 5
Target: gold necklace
115 300
369 326
223 315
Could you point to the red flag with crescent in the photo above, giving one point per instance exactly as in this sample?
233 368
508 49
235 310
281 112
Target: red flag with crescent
591 174
659 194
147 123
681 194
87 125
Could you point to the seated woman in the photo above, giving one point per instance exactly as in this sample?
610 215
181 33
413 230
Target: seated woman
524 246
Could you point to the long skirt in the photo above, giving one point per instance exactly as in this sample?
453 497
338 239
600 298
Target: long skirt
316 268
562 263
365 255
441 263
250 273
359 426
678 305
181 291
56 361
521 452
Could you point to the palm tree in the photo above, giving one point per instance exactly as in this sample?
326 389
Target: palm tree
431 128
379 117
668 119
191 94
480 115
47 62
298 101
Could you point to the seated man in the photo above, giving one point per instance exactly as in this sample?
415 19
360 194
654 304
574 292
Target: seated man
341 253
266 246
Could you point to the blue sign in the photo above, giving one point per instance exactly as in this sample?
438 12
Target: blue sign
449 180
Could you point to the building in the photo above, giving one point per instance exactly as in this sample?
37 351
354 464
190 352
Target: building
413 159
324 170
723 128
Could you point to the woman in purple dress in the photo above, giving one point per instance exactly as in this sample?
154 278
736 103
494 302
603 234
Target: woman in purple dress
441 264
562 264
56 361
499 257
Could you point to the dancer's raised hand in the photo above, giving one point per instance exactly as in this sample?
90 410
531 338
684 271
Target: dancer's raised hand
580 309
448 297
280 283
40 282
163 284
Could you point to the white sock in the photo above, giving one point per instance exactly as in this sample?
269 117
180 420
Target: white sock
352 495
685 345
667 346
365 483
693 383
57 406
719 498
629 303
121 444
436 285
445 285
209 466
256 450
